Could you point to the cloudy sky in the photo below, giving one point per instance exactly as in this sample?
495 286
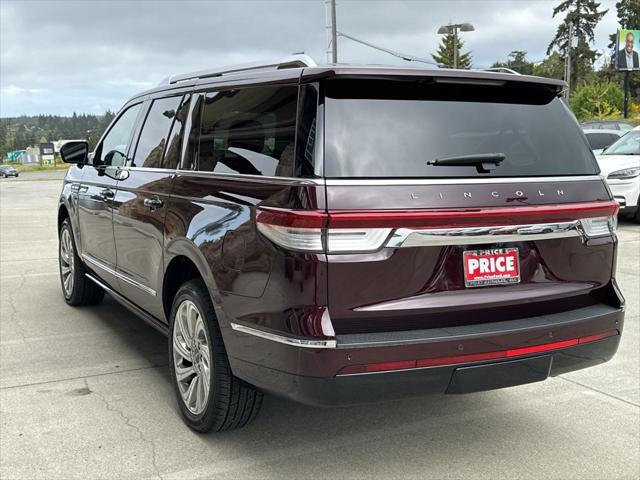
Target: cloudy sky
88 56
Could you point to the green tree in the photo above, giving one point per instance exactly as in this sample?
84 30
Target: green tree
516 60
550 67
583 16
444 55
599 100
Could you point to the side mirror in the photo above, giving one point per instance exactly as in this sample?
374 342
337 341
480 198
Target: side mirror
75 152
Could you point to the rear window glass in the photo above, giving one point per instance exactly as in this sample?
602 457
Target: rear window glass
598 141
392 129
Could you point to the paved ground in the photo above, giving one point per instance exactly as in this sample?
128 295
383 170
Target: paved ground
84 393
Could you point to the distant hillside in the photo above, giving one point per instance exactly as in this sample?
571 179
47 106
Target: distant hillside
18 133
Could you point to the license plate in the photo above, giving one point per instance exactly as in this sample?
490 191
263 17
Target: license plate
498 266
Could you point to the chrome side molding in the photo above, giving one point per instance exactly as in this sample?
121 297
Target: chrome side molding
407 237
294 342
96 263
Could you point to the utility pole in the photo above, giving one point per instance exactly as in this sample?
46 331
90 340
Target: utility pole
334 34
567 60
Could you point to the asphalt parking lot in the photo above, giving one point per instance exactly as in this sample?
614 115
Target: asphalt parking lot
85 393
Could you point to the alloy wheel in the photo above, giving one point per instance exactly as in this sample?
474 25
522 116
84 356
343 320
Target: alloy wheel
66 262
191 357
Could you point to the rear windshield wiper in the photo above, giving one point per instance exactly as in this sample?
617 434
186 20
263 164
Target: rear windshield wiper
484 162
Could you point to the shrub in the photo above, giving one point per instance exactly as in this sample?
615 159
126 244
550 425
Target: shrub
599 100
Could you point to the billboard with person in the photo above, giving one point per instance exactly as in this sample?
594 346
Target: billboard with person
627 56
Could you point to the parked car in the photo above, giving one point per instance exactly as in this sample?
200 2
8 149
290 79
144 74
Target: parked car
342 234
620 164
8 171
601 139
608 125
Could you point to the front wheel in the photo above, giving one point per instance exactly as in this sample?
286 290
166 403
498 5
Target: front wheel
76 287
209 396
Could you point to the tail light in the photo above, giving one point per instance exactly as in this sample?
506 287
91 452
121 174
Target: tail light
316 231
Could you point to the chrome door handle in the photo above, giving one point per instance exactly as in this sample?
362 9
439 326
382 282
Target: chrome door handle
153 203
107 194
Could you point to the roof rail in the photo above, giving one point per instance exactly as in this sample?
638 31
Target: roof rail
292 61
500 70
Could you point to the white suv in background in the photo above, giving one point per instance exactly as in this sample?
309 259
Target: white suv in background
620 164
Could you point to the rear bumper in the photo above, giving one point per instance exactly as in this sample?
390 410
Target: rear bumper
383 386
321 376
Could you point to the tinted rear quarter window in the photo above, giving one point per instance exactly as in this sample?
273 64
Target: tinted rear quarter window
249 131
376 128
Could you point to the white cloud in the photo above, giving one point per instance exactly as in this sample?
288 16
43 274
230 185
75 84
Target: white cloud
70 55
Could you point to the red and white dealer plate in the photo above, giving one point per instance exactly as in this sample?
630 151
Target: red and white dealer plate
498 266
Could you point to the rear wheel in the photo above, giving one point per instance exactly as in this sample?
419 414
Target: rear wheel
76 287
209 396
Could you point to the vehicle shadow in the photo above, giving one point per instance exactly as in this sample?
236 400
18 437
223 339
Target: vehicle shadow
284 430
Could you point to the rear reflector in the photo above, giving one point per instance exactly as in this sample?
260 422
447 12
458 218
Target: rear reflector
316 231
473 357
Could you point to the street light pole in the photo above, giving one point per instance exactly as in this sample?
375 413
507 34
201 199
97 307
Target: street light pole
453 28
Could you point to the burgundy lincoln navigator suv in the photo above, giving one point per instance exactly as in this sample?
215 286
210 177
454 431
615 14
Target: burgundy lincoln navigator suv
341 234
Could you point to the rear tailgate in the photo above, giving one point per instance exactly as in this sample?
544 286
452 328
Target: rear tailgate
418 279
544 209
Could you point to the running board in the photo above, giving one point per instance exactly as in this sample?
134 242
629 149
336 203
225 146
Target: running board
151 320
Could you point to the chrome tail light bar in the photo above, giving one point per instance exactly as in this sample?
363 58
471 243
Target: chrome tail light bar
337 232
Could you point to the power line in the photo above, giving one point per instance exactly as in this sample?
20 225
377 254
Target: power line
403 56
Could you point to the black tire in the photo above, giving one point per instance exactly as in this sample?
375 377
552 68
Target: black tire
231 403
82 291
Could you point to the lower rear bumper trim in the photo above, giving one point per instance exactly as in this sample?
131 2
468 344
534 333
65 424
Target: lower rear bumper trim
296 342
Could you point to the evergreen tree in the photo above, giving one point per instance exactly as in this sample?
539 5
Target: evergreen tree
583 16
516 60
550 67
444 55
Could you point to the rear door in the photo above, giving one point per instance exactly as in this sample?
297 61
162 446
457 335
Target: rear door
141 198
414 245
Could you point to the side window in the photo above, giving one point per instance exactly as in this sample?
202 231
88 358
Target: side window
174 141
192 133
249 131
154 133
113 149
